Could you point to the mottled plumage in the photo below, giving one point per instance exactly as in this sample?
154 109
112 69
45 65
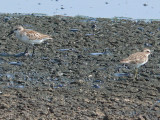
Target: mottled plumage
29 36
137 59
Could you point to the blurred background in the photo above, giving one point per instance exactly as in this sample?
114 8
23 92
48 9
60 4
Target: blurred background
136 9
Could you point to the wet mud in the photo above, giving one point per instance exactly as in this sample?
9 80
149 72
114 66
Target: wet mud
81 78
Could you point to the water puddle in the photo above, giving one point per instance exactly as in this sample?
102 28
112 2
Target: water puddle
68 49
96 54
20 86
121 74
89 34
12 55
74 30
19 54
106 52
58 86
16 63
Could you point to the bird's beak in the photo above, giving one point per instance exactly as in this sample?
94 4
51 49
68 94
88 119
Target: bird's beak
11 33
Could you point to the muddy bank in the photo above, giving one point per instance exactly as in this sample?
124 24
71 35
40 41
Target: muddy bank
82 77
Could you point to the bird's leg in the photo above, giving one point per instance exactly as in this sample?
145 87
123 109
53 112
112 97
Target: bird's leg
135 75
47 45
26 50
33 51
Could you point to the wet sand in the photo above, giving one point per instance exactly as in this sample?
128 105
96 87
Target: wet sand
82 78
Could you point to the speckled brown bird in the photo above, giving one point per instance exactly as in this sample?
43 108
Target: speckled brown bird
29 36
138 59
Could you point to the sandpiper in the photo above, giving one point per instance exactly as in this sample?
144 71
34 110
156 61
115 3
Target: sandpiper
29 36
137 59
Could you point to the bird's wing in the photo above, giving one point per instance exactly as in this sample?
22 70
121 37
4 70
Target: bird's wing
33 35
137 57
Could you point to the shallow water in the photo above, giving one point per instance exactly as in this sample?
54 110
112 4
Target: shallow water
137 9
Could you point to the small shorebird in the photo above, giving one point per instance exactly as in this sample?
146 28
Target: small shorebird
137 59
29 36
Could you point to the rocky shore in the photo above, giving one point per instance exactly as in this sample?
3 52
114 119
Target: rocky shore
81 78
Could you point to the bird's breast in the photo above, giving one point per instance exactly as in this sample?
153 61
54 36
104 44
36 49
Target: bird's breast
22 38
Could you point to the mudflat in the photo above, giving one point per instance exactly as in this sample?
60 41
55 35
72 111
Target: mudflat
78 74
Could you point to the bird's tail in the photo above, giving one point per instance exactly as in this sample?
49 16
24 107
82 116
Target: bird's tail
49 38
